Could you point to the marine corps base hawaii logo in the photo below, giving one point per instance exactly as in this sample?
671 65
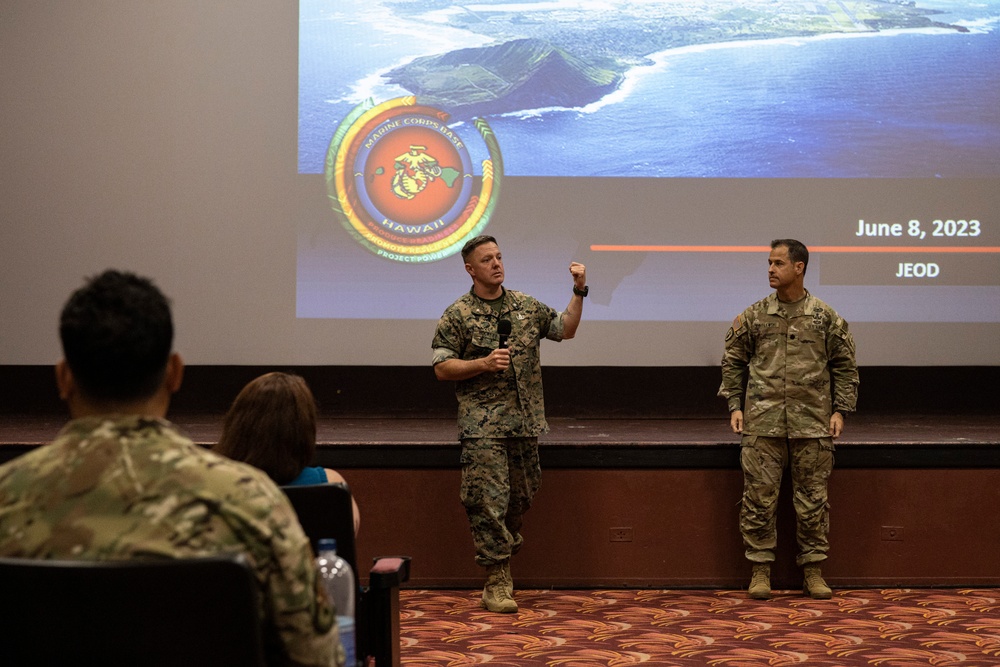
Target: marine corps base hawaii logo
401 181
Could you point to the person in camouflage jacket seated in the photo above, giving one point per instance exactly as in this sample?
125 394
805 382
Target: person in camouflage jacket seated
121 483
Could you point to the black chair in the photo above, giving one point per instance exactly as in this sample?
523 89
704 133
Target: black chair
325 511
192 612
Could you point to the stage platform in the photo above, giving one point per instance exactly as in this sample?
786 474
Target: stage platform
600 417
645 452
882 441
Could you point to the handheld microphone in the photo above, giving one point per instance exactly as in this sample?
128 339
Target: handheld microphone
503 331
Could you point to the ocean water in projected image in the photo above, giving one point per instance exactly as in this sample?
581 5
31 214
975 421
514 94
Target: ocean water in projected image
896 104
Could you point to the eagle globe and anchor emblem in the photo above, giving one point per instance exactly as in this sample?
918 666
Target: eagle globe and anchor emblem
402 183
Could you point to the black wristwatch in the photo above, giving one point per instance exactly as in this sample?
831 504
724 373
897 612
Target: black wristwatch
581 292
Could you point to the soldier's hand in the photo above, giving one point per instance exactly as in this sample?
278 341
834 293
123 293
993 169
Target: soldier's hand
836 424
736 421
579 273
498 360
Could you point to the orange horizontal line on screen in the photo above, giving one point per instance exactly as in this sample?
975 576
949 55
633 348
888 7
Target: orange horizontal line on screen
762 248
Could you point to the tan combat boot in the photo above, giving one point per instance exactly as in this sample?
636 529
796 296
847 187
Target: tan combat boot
760 582
508 579
496 596
813 585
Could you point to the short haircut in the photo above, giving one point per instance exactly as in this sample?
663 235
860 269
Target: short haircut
116 334
474 243
272 426
797 251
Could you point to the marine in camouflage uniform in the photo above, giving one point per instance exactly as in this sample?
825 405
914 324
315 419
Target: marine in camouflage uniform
798 362
501 408
131 488
500 415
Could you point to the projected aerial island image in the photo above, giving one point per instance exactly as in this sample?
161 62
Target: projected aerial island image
750 88
566 54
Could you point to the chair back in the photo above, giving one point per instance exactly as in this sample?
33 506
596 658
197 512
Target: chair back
325 510
192 612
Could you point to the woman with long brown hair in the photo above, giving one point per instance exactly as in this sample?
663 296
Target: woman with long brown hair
272 426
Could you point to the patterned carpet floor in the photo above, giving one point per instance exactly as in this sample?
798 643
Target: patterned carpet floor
566 628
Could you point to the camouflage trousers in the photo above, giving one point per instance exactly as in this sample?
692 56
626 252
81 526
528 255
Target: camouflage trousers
811 462
499 479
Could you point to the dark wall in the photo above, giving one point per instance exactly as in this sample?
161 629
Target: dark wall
570 391
887 528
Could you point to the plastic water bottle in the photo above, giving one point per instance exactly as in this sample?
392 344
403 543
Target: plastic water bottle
338 577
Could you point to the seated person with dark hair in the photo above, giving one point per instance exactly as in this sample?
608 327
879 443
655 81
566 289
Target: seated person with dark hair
272 426
120 482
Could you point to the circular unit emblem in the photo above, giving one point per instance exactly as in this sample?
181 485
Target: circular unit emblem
401 181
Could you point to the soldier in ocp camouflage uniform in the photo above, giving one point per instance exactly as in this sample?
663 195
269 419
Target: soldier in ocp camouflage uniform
131 487
498 383
803 379
120 483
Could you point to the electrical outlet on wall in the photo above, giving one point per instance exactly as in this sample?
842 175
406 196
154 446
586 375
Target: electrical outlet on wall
892 533
623 534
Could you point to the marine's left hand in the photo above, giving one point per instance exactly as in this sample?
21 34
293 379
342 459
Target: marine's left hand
579 273
836 424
